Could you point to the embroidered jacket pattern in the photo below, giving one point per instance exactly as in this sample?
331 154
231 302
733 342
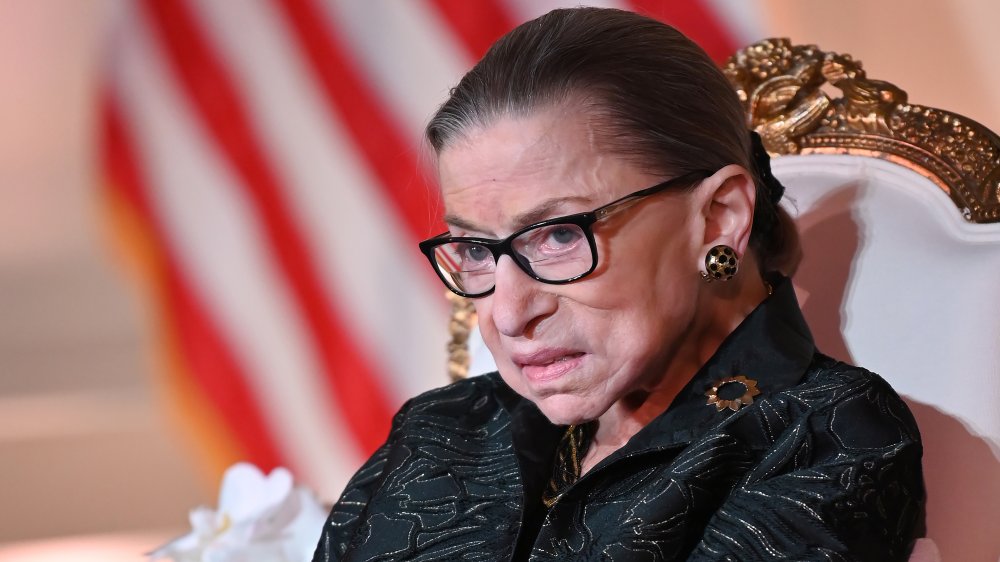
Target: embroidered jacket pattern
824 465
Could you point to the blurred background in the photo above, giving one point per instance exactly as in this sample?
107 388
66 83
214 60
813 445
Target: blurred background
208 223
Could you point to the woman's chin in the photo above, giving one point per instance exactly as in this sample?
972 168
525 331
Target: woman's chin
561 409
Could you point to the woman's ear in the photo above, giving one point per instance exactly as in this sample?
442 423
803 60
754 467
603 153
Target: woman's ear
727 208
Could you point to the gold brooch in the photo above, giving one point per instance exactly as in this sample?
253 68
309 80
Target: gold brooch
734 404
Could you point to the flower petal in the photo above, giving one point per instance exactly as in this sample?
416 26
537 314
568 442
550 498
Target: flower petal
246 492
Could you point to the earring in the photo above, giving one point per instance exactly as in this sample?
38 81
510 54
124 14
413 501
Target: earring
721 264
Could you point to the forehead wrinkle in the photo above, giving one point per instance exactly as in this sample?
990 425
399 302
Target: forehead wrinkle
544 210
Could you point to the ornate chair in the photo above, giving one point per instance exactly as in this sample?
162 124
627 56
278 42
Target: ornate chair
898 207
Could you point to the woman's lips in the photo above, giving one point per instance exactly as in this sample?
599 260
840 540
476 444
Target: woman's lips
548 364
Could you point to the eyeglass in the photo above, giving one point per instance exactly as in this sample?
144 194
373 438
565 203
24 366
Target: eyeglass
554 251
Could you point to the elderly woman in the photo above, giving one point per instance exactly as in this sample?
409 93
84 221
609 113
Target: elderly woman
659 396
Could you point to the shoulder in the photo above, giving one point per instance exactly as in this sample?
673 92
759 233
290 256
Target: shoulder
457 396
838 477
467 403
860 408
439 416
413 475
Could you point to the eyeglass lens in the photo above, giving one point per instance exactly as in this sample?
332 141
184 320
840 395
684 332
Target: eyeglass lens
555 252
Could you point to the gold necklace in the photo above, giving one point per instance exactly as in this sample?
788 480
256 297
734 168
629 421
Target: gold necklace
566 467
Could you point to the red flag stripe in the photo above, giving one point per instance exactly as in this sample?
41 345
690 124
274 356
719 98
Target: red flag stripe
212 365
695 20
476 24
392 159
356 389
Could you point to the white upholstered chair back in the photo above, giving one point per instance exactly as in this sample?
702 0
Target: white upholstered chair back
898 208
895 280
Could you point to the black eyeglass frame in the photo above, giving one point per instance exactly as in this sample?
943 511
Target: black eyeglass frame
584 220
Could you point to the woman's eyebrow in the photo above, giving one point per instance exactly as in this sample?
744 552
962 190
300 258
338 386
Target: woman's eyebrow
540 212
459 222
545 210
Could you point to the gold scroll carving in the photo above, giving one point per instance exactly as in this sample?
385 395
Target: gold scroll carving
791 99
463 318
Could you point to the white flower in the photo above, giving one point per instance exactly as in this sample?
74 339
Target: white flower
260 519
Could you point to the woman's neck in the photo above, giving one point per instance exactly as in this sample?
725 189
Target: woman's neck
722 307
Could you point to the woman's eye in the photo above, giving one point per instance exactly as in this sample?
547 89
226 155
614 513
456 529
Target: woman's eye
563 235
473 253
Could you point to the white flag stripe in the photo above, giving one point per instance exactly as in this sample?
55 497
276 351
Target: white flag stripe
218 244
524 10
741 18
409 55
389 299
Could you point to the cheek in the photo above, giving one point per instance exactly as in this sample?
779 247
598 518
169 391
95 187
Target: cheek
657 246
636 326
649 275
649 294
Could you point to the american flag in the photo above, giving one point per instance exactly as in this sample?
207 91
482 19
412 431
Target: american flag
263 165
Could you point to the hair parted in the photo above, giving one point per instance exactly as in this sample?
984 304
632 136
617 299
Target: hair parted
658 99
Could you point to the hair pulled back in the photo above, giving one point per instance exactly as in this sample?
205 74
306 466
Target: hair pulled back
658 98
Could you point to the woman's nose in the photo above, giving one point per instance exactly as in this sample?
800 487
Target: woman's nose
518 301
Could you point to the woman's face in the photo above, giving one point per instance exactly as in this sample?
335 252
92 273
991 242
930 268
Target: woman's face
575 349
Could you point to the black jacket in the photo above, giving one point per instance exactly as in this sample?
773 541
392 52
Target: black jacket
824 465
